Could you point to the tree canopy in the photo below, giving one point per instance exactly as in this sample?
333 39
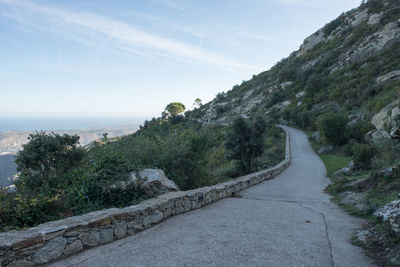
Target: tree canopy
175 108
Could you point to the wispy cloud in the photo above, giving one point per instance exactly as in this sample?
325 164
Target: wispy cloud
92 29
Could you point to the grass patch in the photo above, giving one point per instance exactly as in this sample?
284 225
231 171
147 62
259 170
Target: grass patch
333 161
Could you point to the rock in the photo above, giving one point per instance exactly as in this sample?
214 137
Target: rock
360 17
300 94
362 236
153 218
325 149
153 182
120 229
50 251
374 19
311 42
390 214
389 76
358 184
90 239
283 105
315 136
134 226
354 119
74 247
286 84
386 118
106 236
390 171
376 136
395 133
357 200
351 165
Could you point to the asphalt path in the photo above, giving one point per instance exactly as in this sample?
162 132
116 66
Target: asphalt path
287 221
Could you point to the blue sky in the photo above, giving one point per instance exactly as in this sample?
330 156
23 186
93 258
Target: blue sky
80 58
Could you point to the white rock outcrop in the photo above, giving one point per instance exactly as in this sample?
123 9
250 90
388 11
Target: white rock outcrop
385 119
390 214
374 19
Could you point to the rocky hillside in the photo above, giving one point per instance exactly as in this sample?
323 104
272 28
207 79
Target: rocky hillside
351 65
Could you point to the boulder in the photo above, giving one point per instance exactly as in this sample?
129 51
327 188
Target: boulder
351 165
358 184
315 136
153 182
50 251
387 117
390 214
357 200
363 236
325 149
376 136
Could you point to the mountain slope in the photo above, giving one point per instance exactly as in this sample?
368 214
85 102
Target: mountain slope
341 67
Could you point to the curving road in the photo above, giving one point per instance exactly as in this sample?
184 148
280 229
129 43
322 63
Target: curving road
287 221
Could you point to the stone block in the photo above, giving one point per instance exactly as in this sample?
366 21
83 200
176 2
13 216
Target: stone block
120 229
90 239
73 247
50 251
106 236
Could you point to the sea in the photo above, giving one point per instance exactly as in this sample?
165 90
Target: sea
37 124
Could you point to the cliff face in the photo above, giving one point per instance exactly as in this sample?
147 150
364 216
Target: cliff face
350 65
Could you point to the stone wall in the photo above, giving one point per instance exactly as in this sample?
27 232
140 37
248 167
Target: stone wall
59 239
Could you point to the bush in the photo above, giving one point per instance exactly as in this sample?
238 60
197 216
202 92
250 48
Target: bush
333 128
333 25
44 160
246 142
363 155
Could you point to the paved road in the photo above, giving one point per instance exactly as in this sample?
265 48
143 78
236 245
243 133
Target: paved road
287 221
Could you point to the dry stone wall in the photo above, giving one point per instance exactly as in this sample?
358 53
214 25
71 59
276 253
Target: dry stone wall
59 239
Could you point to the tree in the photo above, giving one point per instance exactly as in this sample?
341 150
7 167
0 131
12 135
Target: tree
46 158
175 108
246 142
164 115
333 127
197 103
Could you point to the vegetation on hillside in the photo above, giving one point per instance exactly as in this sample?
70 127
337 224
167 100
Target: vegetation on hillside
60 179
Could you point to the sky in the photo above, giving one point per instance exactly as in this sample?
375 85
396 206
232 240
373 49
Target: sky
107 58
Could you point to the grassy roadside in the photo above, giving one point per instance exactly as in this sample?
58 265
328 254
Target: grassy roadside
379 241
333 161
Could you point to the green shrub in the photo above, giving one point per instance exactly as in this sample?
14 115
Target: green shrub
363 155
333 128
333 25
359 130
44 160
246 142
